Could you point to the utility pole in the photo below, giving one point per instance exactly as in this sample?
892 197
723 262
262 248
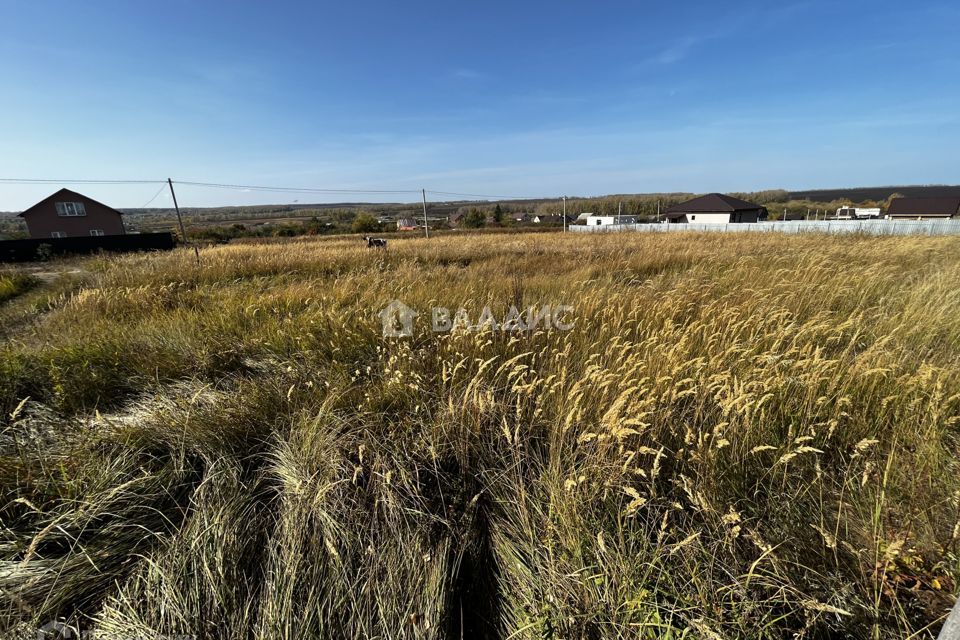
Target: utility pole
183 231
658 211
619 211
564 214
426 225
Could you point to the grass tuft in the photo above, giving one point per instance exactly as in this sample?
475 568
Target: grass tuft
743 436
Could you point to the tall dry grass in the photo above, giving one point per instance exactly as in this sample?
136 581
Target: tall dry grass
14 284
743 436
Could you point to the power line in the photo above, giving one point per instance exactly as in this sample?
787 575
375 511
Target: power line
264 188
485 196
250 187
155 196
215 185
51 181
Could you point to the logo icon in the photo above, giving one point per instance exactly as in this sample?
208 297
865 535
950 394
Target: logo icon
397 320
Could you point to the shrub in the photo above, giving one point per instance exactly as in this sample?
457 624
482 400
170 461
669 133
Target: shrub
365 223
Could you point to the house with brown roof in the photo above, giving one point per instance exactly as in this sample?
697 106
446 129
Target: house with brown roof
715 208
924 208
551 219
68 214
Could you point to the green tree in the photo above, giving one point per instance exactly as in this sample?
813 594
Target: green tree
498 214
474 219
365 223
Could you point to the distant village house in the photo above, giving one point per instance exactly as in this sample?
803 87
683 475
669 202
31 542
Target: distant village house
68 214
550 219
406 224
924 208
715 208
594 220
582 218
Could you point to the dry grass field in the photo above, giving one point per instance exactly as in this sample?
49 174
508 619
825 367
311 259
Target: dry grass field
742 436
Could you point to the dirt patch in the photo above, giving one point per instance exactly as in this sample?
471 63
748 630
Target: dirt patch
52 276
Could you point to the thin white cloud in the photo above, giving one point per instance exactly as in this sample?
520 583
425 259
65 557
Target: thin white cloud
468 74
681 48
677 51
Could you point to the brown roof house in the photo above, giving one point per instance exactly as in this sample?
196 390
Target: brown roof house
924 208
716 208
552 219
68 214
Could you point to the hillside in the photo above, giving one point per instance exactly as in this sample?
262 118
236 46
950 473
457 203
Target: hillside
862 194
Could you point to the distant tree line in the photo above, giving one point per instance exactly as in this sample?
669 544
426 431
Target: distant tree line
225 233
809 209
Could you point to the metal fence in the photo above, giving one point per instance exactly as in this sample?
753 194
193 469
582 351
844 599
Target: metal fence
869 227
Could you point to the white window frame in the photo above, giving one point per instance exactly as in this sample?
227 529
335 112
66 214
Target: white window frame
97 232
57 234
70 209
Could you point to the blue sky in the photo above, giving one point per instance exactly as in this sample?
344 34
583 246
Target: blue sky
514 98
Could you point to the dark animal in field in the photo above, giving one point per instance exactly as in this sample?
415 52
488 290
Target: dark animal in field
375 243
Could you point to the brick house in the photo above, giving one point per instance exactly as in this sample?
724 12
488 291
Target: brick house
68 214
